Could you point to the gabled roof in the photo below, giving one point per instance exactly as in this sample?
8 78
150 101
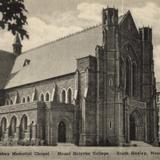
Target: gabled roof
56 58
121 18
126 16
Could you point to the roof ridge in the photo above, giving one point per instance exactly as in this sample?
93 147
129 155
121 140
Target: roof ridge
64 37
1 50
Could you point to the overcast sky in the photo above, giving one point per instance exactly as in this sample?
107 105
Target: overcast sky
51 19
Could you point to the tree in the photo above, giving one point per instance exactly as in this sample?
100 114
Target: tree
13 17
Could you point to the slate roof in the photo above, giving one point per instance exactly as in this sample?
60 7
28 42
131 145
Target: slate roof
56 58
6 63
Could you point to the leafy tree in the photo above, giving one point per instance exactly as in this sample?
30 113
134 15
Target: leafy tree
13 17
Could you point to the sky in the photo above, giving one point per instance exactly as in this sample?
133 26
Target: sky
51 19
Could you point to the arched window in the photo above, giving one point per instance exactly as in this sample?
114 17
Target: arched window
28 99
69 96
122 71
47 97
128 77
23 126
23 100
3 125
13 125
24 123
110 82
31 130
42 97
63 96
134 79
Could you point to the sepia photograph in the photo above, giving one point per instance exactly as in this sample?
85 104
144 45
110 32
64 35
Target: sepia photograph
79 79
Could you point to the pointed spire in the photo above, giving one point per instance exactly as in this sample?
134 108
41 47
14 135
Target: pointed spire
17 39
17 46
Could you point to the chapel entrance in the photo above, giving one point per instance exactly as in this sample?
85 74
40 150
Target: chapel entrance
62 132
136 126
132 128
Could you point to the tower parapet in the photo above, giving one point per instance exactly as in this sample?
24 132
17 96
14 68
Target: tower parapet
110 16
146 34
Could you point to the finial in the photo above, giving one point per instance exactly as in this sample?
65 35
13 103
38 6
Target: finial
17 46
17 39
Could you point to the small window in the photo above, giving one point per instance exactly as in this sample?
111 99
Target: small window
47 96
28 99
110 82
69 96
26 62
23 100
42 97
110 125
63 96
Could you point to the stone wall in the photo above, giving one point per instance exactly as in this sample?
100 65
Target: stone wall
56 113
87 95
30 111
43 119
60 83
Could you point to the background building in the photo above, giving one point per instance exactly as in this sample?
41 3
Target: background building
158 107
95 87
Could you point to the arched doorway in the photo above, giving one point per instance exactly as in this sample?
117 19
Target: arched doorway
62 132
132 128
136 126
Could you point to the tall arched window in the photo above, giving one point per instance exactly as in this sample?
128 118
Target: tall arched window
69 96
42 97
122 71
24 123
3 125
134 79
47 97
128 77
13 125
63 96
31 130
23 126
